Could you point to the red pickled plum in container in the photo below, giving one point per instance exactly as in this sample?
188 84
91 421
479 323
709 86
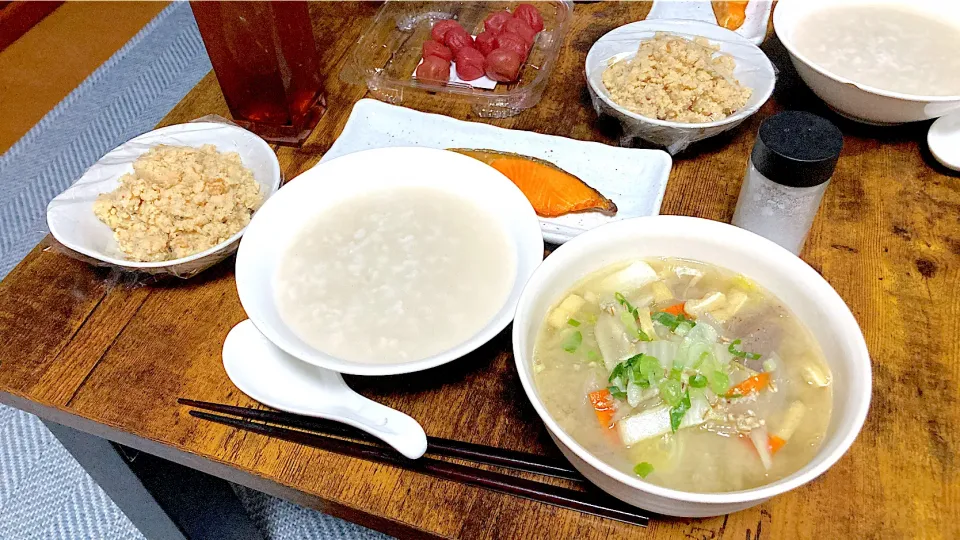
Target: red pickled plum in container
530 15
503 65
457 38
513 42
440 29
485 42
432 48
470 64
434 69
495 21
520 28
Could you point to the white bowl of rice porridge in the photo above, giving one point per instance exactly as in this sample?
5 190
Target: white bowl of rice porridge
878 62
172 201
388 261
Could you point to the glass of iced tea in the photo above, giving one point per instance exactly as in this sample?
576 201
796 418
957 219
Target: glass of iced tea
265 58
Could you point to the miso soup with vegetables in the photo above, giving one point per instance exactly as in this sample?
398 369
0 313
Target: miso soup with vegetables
685 374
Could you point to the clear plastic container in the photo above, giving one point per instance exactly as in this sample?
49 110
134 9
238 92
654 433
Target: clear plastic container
387 53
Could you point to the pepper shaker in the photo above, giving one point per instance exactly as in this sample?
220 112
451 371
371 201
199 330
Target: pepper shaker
789 170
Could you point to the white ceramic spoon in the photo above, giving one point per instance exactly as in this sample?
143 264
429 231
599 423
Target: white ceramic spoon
269 375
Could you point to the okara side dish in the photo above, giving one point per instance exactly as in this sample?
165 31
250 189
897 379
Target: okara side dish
892 48
685 374
395 276
179 201
676 79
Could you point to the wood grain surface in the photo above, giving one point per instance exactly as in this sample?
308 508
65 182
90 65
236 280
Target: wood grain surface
81 342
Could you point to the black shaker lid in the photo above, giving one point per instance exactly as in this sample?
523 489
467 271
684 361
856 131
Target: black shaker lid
797 149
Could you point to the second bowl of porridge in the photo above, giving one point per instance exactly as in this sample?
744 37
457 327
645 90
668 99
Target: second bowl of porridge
879 62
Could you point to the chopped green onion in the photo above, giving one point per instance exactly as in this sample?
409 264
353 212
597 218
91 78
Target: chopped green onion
643 335
742 354
573 322
703 357
650 369
643 469
676 373
593 356
629 318
683 328
679 410
616 392
670 391
572 342
769 364
617 373
719 382
672 321
698 381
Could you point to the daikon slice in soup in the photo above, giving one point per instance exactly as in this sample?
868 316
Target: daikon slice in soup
685 374
893 48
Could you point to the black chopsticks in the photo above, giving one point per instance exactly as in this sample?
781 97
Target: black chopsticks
478 453
371 449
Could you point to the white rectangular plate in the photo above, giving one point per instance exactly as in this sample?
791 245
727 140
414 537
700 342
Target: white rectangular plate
635 179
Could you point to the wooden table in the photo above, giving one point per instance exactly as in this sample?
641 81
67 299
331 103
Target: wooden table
89 351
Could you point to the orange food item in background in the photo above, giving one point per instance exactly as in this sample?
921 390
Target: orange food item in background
551 190
730 14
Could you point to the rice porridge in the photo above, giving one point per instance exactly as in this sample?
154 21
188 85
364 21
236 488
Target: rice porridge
395 276
891 48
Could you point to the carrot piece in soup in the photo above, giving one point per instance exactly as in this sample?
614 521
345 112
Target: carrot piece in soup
602 403
756 383
775 443
676 309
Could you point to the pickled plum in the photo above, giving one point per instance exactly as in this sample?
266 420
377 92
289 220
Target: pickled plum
470 64
457 38
434 69
503 65
495 21
521 28
530 15
432 48
513 42
441 27
485 42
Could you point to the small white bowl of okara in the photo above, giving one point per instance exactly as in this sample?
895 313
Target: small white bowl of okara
388 261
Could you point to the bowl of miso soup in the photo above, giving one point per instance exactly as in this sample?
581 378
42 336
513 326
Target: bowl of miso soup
690 367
